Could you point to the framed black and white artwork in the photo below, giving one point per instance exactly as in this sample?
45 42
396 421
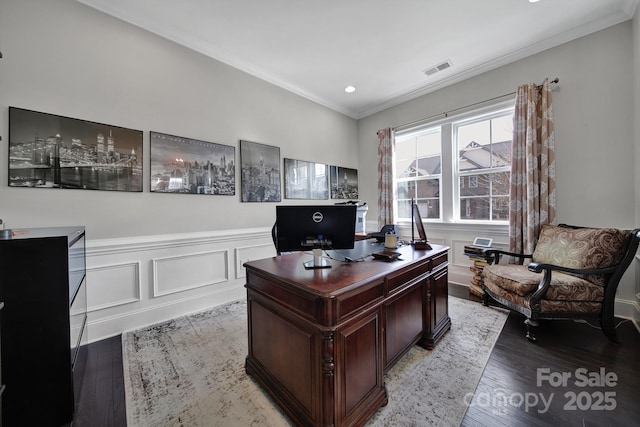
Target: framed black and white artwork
260 172
344 183
305 180
51 151
190 166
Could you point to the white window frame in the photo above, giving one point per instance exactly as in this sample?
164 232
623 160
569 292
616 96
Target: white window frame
450 176
422 130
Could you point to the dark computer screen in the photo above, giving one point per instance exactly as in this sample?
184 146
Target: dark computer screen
302 228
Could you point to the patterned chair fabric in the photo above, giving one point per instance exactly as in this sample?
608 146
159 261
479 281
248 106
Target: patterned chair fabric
574 273
582 248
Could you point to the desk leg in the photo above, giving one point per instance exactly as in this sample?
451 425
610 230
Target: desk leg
436 309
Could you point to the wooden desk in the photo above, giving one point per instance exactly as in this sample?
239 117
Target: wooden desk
321 340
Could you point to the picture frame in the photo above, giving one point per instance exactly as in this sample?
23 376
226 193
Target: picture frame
51 151
260 172
183 165
484 242
305 180
344 183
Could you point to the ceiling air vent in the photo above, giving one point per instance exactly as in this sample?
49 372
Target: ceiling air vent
440 67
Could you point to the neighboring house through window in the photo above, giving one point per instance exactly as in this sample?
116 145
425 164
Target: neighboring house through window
458 168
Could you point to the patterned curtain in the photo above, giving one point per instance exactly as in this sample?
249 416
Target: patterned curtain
532 194
386 190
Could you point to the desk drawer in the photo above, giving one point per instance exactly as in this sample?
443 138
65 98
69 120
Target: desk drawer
394 282
438 260
359 301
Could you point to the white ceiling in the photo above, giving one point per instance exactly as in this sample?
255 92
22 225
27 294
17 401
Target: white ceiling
382 47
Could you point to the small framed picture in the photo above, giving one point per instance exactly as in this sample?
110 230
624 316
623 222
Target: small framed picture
260 177
305 180
344 183
482 241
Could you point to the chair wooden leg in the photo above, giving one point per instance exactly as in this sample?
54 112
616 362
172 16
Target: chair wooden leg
485 299
531 324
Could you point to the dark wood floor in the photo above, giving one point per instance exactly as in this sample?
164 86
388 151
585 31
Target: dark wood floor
566 348
510 378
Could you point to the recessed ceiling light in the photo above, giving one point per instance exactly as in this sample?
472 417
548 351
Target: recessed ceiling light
534 1
349 89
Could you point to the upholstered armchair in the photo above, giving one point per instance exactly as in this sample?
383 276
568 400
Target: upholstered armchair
573 273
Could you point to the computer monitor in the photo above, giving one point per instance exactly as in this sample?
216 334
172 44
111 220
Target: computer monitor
315 227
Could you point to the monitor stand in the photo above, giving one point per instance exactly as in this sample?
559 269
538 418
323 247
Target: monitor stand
318 261
421 244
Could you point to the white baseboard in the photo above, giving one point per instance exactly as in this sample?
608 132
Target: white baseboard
630 310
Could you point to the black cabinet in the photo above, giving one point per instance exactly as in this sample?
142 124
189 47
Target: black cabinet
43 288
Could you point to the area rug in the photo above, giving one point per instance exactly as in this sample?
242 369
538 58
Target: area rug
190 372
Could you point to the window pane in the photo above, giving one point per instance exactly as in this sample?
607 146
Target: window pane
485 144
500 211
428 188
404 208
474 208
405 157
428 153
485 196
426 194
406 190
502 128
428 198
500 183
419 155
429 209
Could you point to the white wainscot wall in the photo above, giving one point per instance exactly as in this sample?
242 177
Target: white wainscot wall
139 281
135 282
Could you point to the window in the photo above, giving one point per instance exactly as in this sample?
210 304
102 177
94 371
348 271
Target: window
418 168
484 159
457 169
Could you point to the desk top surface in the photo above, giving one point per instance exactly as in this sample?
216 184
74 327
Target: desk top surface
342 276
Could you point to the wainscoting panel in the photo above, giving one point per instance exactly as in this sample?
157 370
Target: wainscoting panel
206 268
138 281
121 285
250 253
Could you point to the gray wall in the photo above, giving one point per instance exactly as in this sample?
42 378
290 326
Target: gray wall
594 126
64 58
594 123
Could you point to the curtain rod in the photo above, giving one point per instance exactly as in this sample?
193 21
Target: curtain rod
446 113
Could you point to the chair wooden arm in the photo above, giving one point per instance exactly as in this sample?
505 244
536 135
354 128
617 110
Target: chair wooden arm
497 253
538 267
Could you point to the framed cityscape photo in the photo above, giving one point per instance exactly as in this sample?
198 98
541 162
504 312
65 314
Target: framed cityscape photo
260 178
344 183
305 180
50 151
191 166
